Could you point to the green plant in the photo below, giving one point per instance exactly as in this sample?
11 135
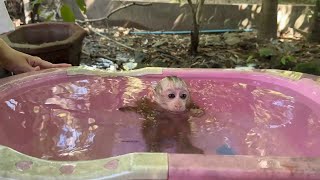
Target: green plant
266 52
82 5
36 2
312 67
286 50
67 13
287 58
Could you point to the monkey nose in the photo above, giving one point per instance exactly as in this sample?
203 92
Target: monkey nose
178 106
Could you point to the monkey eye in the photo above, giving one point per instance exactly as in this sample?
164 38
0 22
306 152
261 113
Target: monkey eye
183 96
171 96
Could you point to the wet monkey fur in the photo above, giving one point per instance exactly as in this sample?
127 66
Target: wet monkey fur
166 115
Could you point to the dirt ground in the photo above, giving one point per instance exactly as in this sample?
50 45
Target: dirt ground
118 48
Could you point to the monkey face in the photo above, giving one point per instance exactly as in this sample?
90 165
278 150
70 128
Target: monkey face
173 99
177 100
172 94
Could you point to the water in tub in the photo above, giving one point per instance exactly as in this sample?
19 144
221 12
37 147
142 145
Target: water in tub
77 118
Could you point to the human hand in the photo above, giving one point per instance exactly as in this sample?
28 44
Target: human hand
18 62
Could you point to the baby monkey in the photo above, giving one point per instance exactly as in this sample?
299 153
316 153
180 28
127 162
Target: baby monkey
166 115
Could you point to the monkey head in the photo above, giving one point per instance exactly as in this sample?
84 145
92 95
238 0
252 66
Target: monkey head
172 94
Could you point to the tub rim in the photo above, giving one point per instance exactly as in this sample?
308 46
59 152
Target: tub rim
160 165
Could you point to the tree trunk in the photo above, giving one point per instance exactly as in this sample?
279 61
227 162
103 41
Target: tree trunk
27 11
196 16
194 40
315 28
268 24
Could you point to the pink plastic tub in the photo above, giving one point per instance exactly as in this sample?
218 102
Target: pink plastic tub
64 123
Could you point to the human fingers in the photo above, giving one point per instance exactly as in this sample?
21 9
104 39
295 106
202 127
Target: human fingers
37 61
22 68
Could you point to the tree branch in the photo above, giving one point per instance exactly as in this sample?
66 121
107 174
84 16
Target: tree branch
123 45
114 11
193 12
199 10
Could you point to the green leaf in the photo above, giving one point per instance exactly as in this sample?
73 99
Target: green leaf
249 58
33 3
48 18
40 9
287 58
291 58
283 60
266 52
82 5
67 13
308 67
